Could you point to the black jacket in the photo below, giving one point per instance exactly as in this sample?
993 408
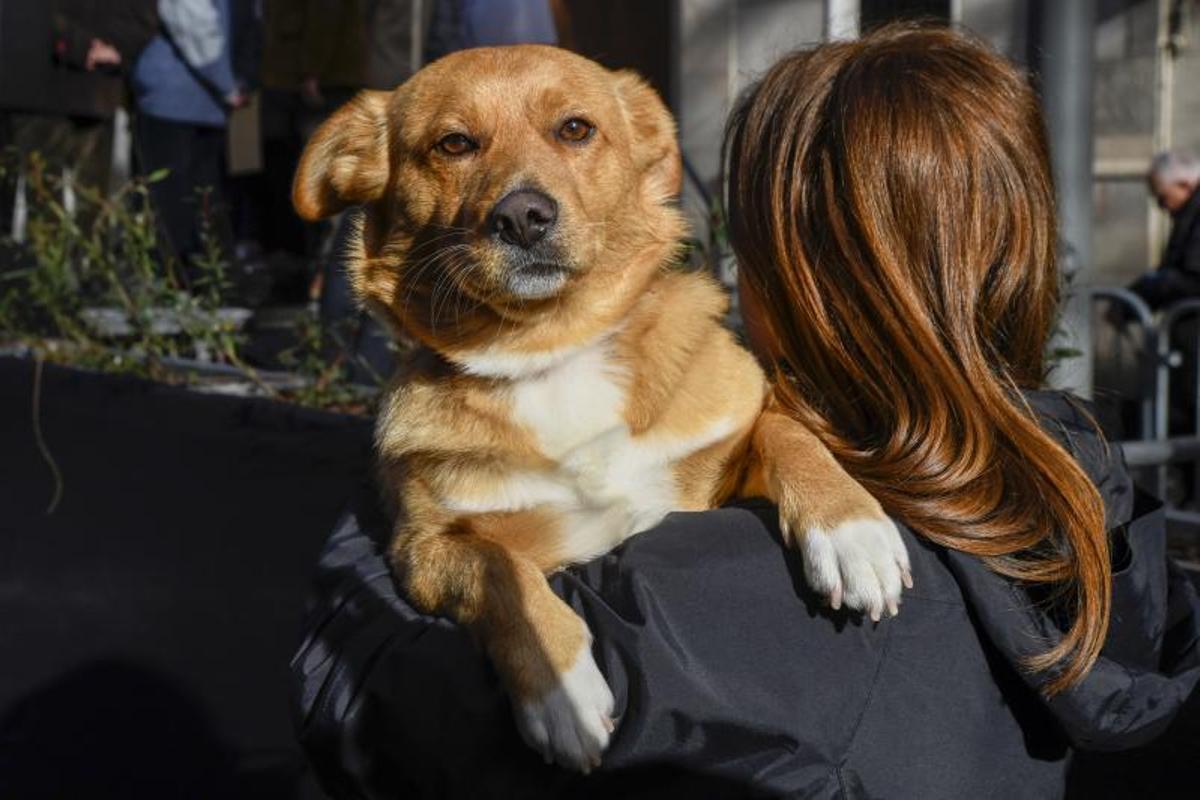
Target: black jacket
1178 274
732 681
1183 245
43 49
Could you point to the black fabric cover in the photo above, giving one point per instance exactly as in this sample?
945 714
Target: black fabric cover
146 625
731 680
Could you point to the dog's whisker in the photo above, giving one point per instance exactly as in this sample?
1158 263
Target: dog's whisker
437 260
424 243
446 287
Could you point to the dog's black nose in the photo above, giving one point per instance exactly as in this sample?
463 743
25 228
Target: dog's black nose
523 217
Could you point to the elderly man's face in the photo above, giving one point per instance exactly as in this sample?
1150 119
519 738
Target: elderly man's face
1171 195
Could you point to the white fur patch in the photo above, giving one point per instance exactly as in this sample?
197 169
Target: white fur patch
607 484
618 467
574 402
571 725
862 563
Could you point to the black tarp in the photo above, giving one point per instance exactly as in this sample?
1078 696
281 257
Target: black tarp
146 625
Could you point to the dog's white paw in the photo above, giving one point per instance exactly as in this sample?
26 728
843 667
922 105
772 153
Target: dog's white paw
861 563
571 725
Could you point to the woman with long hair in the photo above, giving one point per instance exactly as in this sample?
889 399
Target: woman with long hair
893 217
892 212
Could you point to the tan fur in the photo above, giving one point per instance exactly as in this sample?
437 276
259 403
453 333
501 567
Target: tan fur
780 451
449 439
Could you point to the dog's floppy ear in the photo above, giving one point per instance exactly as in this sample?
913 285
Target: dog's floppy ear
655 145
346 161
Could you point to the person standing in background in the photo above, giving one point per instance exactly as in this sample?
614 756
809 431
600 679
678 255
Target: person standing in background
395 38
460 24
185 83
314 60
62 70
1173 180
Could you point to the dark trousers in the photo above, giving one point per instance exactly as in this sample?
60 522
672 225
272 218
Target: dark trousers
192 192
352 334
287 123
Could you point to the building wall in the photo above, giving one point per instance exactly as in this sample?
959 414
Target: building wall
1124 112
1185 128
1003 23
723 46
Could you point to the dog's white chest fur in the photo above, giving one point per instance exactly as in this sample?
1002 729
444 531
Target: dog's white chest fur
572 404
606 483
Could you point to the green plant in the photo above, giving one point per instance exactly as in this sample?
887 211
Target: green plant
104 255
94 286
319 356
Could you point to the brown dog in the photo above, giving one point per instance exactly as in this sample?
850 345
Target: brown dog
573 388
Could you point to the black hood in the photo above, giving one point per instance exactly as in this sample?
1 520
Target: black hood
1151 659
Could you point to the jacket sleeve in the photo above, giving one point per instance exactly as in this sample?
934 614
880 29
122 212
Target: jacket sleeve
130 28
128 25
71 40
1190 261
390 702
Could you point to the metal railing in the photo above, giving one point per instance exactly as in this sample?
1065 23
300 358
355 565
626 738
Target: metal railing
1158 362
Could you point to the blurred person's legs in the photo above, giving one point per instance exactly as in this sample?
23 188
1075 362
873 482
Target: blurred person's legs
193 158
287 121
281 228
351 333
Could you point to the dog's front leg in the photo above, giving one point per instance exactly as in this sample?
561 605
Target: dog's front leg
487 571
852 551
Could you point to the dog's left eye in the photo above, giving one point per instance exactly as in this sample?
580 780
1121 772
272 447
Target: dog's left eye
576 130
456 144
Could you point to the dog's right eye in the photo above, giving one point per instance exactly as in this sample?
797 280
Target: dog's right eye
456 144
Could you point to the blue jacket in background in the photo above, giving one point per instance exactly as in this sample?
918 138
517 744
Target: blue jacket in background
186 72
460 24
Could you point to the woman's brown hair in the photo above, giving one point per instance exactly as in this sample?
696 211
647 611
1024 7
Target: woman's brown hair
892 212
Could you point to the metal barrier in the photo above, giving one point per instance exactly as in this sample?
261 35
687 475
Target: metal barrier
1153 382
1155 447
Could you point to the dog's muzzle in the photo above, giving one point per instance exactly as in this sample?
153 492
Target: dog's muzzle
523 224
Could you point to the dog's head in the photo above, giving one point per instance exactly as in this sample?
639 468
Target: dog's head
503 189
